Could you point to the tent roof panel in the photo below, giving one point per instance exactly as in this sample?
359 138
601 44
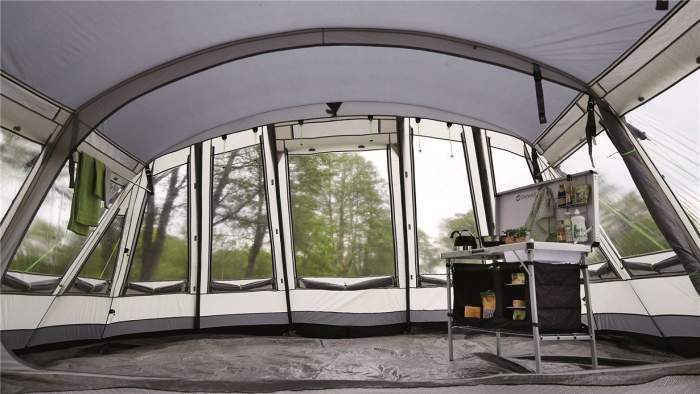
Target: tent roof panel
72 51
302 77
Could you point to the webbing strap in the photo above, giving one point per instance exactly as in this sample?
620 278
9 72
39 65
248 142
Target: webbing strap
538 91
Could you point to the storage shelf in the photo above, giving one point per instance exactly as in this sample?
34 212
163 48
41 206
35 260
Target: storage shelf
516 307
515 284
578 204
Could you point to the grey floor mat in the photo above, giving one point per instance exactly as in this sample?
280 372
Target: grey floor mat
289 362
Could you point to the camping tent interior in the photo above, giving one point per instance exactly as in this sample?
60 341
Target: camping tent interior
300 165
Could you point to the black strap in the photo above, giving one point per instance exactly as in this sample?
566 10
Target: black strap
590 127
661 5
538 91
71 171
536 166
149 181
333 108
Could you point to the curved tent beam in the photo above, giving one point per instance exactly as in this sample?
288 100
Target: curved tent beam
89 115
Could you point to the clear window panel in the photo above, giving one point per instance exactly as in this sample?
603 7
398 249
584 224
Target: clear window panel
95 277
341 214
162 250
443 199
240 235
623 214
509 170
48 247
671 122
17 157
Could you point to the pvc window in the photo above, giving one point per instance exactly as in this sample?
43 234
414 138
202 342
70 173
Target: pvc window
240 231
48 247
655 264
623 214
160 262
510 168
17 157
95 277
341 214
671 126
443 196
599 267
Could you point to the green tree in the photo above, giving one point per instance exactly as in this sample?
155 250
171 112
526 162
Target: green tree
341 216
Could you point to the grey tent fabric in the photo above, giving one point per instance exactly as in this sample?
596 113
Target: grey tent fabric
73 51
659 206
266 83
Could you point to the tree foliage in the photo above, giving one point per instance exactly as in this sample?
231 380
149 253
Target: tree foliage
341 216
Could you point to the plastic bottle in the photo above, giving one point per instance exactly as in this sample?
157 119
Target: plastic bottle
561 196
568 230
578 225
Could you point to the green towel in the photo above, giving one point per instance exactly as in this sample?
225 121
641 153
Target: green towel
89 190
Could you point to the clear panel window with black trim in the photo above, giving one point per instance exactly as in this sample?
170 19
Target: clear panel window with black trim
443 196
342 216
48 247
161 257
241 250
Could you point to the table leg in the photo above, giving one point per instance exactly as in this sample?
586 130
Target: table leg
533 311
449 310
498 343
590 317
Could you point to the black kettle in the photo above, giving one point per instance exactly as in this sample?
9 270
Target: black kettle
464 239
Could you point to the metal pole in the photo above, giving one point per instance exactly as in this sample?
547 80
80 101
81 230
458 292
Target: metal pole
533 309
449 309
589 313
498 343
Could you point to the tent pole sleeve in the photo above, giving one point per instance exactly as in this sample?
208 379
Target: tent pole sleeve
198 198
663 207
402 138
482 158
272 141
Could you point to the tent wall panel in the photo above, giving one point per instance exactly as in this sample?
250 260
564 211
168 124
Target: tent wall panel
678 325
369 307
428 304
655 44
671 65
244 319
615 297
22 312
672 295
65 333
166 306
28 99
242 303
148 325
33 126
637 324
19 316
349 319
76 309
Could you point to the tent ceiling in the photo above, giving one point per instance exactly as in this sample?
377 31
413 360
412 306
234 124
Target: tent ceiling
72 51
491 96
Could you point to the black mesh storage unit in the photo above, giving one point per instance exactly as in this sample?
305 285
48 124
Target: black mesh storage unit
558 296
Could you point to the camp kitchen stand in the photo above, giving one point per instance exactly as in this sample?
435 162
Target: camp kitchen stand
525 254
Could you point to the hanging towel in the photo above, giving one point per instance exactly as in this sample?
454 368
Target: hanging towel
87 203
541 221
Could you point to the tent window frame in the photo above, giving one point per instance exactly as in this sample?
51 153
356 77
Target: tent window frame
137 231
462 143
112 278
261 145
30 175
395 274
